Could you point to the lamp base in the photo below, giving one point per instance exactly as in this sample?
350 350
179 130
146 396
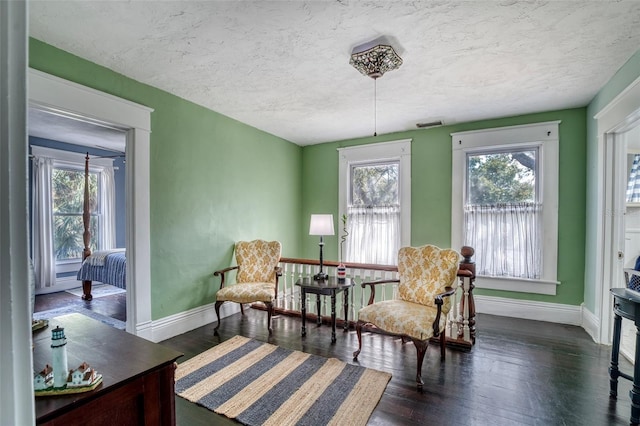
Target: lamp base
321 276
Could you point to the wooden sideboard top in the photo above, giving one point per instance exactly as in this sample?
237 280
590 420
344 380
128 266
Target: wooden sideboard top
119 356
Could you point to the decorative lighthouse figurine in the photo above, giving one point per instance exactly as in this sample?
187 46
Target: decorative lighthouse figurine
59 355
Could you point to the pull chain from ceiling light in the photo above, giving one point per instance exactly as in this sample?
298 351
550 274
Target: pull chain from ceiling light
375 107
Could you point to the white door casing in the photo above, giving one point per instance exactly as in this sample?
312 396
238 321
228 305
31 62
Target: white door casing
621 114
79 102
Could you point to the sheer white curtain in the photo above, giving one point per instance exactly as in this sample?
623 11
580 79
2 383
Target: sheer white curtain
108 202
43 256
374 234
506 238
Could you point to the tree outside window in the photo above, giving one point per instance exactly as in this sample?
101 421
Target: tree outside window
502 177
68 196
374 185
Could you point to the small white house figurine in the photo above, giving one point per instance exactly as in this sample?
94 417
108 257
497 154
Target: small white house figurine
82 376
43 379
59 357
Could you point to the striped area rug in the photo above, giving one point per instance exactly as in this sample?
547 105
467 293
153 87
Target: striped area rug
258 383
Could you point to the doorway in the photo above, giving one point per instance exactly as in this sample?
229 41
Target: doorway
630 140
74 100
58 146
614 123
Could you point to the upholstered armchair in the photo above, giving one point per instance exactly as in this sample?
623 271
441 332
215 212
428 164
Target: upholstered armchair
256 278
427 276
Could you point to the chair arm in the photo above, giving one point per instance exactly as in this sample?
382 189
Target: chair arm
372 284
448 291
221 273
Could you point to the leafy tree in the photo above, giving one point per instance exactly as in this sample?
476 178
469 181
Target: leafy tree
374 185
504 177
68 199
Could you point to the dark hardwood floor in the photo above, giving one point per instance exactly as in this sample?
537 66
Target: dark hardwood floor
519 372
114 306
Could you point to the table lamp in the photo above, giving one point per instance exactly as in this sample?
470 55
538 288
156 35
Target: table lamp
321 224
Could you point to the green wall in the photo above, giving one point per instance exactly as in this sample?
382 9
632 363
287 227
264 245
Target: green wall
626 75
214 181
431 193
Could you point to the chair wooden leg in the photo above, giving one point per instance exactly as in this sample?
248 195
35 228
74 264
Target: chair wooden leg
443 343
421 349
269 315
242 308
359 333
217 308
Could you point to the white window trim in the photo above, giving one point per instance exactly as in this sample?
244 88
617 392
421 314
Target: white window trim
74 100
546 136
399 150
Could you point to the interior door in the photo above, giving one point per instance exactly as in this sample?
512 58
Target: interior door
630 139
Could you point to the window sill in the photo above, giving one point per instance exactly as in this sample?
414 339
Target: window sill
65 266
517 284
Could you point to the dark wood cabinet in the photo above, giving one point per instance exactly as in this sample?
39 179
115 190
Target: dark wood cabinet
137 376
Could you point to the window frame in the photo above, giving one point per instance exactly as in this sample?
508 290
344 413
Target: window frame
546 137
100 212
75 161
399 150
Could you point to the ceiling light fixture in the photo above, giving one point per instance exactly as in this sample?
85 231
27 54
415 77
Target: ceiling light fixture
373 59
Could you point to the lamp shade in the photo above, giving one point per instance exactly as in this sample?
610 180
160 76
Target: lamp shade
321 224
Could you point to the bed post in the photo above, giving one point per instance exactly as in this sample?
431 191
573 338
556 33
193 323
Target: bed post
86 235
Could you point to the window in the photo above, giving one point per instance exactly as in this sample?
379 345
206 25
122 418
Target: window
502 212
504 205
67 191
58 197
374 193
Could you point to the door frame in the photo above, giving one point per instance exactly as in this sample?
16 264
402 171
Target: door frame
80 102
622 113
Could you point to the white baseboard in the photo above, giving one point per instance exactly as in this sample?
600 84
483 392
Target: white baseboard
182 322
529 309
591 324
173 325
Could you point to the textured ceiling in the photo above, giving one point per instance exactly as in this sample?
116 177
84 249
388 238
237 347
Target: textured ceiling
283 66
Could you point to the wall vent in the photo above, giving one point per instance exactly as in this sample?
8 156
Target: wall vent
429 124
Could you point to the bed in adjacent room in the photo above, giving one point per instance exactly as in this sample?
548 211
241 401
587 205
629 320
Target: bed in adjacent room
105 266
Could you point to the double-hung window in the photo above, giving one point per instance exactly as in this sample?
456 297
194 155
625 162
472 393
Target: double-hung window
374 194
58 198
505 205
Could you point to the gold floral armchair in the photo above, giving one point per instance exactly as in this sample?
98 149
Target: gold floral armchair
427 276
256 278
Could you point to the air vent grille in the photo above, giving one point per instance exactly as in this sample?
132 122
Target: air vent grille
429 124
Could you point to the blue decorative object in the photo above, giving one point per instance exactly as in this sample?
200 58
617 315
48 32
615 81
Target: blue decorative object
634 281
